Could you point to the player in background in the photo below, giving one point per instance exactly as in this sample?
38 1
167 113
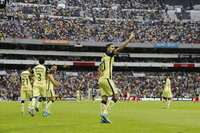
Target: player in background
94 93
125 95
106 83
40 73
78 95
26 88
196 97
167 94
50 91
128 95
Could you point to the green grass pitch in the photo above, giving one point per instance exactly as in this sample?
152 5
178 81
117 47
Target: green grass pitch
83 117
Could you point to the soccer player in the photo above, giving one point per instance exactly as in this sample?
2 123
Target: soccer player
78 95
196 95
106 83
94 93
26 88
40 73
167 94
50 91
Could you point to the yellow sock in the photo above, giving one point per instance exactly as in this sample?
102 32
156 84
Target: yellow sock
109 105
44 104
49 106
29 105
103 106
33 103
38 104
22 107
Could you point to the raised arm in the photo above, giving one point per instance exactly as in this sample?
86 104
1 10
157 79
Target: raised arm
123 45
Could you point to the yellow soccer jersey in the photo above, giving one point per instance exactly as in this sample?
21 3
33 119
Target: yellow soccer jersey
167 85
25 81
106 65
40 72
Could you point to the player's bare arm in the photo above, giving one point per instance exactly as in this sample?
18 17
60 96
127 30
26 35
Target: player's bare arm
123 45
55 83
100 71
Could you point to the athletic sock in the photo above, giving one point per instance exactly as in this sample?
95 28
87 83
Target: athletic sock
48 106
103 106
109 105
22 107
168 104
29 105
33 103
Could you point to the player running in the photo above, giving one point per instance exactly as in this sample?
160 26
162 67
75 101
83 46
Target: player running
106 83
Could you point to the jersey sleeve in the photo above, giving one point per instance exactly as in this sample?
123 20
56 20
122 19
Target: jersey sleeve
111 54
48 70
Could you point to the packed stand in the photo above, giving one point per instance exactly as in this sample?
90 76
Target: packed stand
143 84
112 23
97 59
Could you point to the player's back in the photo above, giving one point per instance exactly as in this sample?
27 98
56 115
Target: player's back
25 80
167 85
40 72
107 65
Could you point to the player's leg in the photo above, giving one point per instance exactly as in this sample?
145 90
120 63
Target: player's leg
168 102
38 104
29 96
111 90
23 98
36 93
49 103
104 97
43 93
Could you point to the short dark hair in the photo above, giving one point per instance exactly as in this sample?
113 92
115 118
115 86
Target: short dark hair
42 60
108 45
27 67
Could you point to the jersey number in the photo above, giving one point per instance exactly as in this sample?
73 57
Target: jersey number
39 76
24 81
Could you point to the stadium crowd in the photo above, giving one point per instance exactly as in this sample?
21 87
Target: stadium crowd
144 84
93 22
96 59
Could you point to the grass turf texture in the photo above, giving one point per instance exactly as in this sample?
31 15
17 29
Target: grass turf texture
83 117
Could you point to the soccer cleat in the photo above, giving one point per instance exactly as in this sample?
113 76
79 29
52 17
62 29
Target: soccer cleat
105 118
49 113
37 109
103 121
44 114
32 113
23 113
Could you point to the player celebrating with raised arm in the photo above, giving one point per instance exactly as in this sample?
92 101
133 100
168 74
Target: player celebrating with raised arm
167 94
106 84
